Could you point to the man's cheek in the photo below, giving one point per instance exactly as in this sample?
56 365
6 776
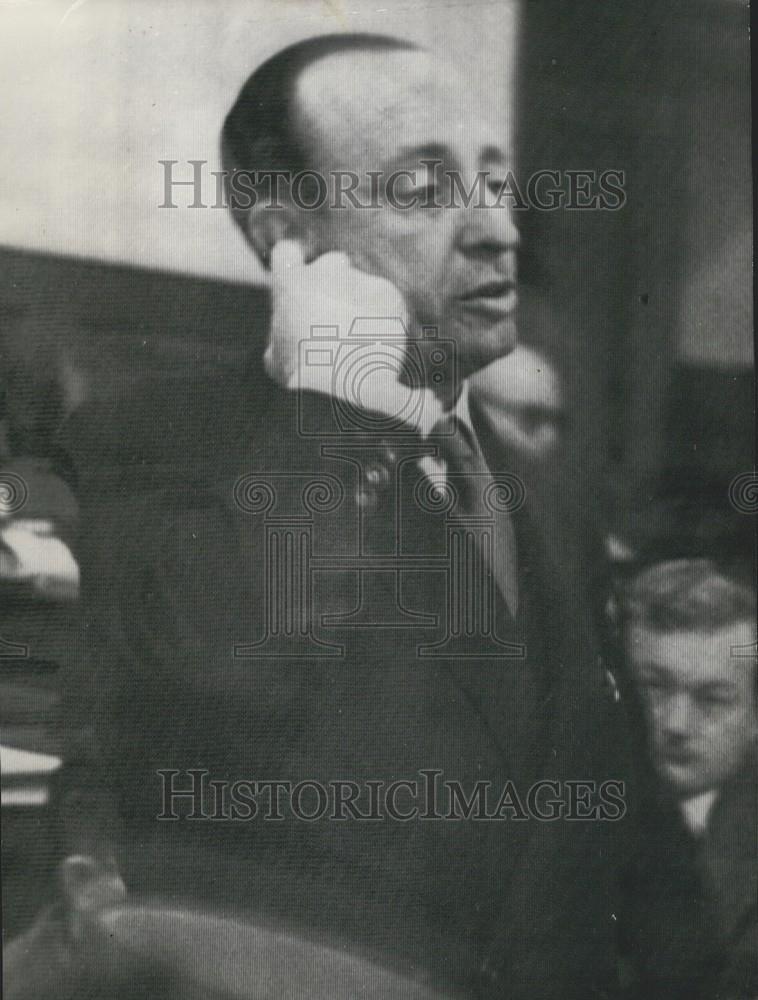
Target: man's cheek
733 739
412 284
378 256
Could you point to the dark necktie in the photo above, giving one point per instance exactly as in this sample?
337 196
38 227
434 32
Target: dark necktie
470 479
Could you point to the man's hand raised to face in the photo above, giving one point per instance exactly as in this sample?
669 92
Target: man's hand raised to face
339 331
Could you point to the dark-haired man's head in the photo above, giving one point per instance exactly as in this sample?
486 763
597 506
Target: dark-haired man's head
372 108
690 639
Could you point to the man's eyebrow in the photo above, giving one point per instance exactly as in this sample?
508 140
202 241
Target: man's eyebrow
648 672
717 688
493 153
439 151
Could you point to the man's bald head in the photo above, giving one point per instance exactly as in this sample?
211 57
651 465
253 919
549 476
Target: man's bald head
366 101
263 130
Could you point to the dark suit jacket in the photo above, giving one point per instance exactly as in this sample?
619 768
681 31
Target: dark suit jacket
190 667
691 913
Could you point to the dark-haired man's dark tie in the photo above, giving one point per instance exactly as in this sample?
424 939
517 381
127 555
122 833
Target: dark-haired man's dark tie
470 478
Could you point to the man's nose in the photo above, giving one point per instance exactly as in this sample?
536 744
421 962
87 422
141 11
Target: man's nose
487 231
678 718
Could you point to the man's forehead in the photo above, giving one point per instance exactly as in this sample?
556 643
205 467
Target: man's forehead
690 656
391 102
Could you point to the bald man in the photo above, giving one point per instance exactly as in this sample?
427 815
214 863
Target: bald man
359 602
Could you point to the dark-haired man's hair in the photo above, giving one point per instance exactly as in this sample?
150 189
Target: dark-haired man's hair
689 595
260 133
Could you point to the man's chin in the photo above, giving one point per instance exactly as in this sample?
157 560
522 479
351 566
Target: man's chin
683 783
479 347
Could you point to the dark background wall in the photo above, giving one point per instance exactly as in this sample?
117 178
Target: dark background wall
654 302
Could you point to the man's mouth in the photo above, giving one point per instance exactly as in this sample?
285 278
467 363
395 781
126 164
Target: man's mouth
494 297
679 758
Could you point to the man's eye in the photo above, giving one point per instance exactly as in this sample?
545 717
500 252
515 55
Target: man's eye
655 691
428 196
713 701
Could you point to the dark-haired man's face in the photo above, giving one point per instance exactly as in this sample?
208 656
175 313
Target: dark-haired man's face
455 266
699 695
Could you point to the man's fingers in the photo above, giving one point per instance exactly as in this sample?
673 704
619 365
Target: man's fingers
285 255
333 259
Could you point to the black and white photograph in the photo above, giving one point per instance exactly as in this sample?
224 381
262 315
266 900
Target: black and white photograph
378 500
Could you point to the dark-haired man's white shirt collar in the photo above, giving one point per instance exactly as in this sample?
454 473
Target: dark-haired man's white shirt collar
696 811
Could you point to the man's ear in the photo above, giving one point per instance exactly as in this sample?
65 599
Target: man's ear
265 226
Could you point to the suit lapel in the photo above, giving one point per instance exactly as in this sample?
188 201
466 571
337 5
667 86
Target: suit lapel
553 623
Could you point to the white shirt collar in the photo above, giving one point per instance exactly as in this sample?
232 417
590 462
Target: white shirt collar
697 810
462 410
